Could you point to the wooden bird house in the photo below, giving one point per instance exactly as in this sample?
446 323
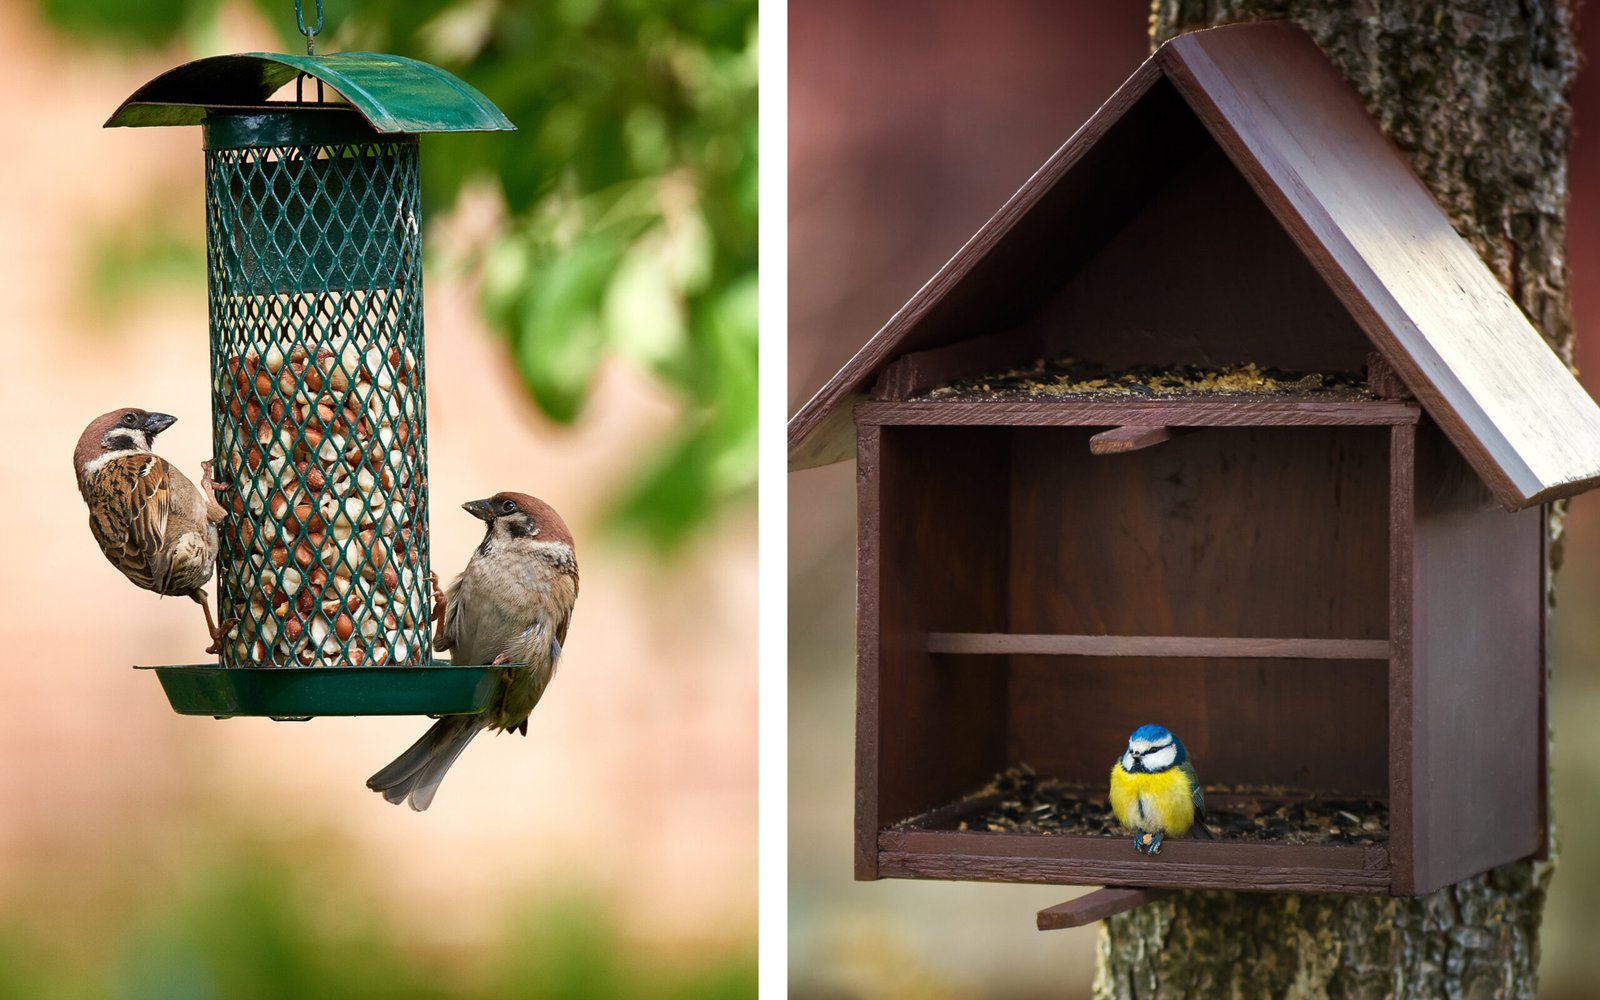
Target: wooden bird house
1217 424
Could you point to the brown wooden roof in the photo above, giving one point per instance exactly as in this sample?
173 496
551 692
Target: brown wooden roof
1349 200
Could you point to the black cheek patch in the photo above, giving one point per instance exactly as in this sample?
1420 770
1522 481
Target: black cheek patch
519 527
120 442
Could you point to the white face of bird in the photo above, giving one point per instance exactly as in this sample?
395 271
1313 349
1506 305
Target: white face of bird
117 434
135 430
1145 755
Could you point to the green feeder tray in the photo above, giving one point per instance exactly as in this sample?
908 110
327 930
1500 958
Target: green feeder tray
305 692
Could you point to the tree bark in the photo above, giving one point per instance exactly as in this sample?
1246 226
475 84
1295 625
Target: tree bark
1475 93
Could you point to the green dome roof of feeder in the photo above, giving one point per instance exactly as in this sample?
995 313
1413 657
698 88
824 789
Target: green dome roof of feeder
394 94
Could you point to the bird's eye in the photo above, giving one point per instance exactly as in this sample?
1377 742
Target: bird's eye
129 419
508 506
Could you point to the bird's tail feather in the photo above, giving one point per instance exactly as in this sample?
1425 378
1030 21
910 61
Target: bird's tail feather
414 776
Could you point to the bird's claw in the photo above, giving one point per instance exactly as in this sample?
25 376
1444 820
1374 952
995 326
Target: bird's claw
1155 844
438 596
1138 842
209 480
220 634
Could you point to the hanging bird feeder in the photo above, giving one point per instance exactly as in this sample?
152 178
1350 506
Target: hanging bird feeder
314 270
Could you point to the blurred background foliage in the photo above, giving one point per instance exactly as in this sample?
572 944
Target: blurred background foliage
630 194
261 926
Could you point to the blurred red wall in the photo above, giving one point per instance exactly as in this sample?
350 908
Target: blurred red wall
910 124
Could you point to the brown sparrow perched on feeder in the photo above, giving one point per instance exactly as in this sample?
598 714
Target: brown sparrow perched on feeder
150 520
511 606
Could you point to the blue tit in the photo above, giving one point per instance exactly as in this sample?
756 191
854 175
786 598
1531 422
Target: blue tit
1154 790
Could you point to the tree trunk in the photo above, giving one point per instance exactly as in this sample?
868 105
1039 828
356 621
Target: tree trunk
1475 93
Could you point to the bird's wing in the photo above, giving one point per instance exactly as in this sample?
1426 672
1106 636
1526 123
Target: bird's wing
566 596
535 650
1195 791
527 646
449 633
129 500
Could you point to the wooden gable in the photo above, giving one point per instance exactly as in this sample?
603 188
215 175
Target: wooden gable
1213 115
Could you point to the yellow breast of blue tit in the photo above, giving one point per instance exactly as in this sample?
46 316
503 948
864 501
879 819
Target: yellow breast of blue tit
1159 802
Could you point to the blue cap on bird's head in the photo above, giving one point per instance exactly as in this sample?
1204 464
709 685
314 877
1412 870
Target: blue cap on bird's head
1150 734
1153 748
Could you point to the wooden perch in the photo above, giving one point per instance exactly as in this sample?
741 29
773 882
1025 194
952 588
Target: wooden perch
1226 647
1383 381
1097 905
1119 440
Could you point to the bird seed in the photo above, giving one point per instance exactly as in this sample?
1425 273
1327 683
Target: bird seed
324 552
1019 801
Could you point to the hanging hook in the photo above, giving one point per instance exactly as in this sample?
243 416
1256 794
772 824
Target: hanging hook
310 33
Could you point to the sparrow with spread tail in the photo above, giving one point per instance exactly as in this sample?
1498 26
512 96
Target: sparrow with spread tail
154 525
511 606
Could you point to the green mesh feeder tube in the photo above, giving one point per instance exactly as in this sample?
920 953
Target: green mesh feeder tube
314 272
314 261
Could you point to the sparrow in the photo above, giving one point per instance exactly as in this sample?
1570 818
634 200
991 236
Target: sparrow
511 606
154 525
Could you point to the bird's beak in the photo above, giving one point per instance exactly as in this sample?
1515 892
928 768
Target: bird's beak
155 423
480 509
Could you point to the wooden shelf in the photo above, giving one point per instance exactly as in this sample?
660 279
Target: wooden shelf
970 855
980 643
932 845
1114 411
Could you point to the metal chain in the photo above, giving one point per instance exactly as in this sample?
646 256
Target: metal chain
310 33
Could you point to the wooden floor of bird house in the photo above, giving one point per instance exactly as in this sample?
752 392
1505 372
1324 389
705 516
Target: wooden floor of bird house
1026 829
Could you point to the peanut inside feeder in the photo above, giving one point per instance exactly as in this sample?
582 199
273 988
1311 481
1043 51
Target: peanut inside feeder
314 263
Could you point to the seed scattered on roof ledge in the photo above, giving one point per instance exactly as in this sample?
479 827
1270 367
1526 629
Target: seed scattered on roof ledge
1070 377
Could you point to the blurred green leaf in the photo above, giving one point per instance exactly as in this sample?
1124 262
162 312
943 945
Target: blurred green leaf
248 930
733 322
669 500
643 312
556 333
140 252
257 924
147 23
572 949
33 967
713 460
